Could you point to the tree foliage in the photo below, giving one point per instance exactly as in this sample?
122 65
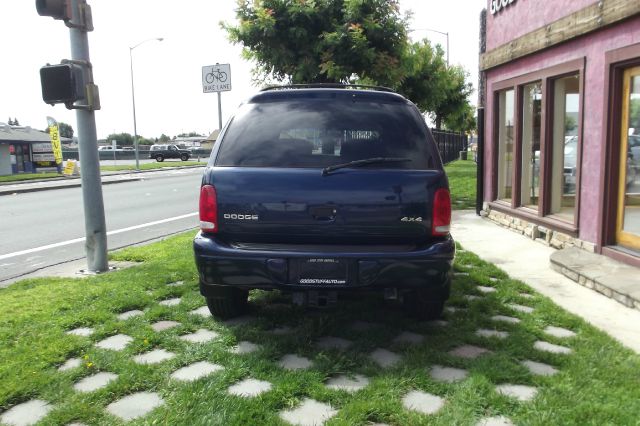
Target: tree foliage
321 41
122 139
346 41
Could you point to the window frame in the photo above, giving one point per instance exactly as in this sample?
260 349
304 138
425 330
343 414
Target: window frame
547 77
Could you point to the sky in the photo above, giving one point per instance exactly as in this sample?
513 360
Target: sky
168 74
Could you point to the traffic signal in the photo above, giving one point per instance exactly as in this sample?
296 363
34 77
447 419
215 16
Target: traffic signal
57 9
62 84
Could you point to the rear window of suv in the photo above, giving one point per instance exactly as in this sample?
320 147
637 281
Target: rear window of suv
320 132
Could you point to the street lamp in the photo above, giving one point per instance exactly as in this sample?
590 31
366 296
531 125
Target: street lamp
133 98
439 32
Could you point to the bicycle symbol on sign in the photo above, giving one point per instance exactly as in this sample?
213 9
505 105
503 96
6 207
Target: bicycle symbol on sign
216 75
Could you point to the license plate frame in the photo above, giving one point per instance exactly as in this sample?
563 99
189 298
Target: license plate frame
322 272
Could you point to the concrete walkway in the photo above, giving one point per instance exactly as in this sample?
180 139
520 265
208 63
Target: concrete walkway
529 261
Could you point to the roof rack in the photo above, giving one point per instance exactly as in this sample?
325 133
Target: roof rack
328 86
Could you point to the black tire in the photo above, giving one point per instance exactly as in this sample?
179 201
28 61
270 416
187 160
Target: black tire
184 157
424 305
227 302
159 158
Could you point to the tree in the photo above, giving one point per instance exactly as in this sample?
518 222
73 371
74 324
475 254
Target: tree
189 135
456 96
10 122
16 122
321 41
164 138
425 74
122 139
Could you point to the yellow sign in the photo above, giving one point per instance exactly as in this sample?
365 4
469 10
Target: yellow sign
55 139
70 168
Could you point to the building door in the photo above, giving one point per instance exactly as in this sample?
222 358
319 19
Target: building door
628 220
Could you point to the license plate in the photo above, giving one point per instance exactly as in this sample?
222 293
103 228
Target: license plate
323 272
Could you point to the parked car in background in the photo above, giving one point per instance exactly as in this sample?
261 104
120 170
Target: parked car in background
316 191
162 152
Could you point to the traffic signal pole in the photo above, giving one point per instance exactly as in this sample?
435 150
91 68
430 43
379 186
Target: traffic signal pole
94 221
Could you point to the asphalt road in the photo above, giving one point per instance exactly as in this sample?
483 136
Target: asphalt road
46 228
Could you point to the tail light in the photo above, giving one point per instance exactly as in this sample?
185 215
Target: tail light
441 212
208 209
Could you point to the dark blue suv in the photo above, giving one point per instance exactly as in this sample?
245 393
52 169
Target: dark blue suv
320 190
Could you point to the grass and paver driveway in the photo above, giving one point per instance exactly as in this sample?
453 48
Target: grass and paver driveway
139 346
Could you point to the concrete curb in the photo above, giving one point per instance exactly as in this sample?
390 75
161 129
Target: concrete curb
602 274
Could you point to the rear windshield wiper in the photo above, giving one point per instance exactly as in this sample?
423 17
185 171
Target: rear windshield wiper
358 163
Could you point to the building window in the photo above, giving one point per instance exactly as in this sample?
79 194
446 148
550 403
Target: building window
530 136
505 144
564 147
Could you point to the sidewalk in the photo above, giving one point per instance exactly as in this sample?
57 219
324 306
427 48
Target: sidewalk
75 181
529 261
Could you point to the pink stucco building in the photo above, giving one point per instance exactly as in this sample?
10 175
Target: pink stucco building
561 95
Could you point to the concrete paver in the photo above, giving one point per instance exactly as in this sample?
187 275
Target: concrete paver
135 405
385 358
26 414
239 321
495 421
202 311
294 362
70 364
249 388
170 302
539 368
483 332
504 318
81 331
164 325
409 337
155 356
486 289
245 347
520 392
559 332
200 336
520 308
308 413
469 351
195 371
115 343
95 382
130 314
175 284
422 402
447 374
347 383
330 342
550 347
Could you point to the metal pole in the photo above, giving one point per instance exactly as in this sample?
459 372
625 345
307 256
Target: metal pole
447 34
94 222
133 99
219 110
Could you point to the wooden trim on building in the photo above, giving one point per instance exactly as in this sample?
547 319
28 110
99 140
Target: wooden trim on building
616 61
597 16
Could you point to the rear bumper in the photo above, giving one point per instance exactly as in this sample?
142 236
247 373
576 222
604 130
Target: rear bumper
220 264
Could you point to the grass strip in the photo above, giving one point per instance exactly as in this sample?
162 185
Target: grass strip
596 384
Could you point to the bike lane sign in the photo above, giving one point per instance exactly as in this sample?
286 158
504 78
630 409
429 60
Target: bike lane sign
216 78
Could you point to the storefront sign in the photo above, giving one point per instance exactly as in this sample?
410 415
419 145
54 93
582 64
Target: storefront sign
46 157
498 5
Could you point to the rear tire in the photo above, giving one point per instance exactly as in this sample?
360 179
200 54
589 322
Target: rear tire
159 158
227 302
184 157
424 304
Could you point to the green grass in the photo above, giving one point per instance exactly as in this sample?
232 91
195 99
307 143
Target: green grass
29 176
597 384
462 182
152 166
145 166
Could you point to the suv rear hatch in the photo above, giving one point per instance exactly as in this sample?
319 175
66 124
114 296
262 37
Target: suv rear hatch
269 180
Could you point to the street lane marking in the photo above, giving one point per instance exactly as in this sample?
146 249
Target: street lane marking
79 240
